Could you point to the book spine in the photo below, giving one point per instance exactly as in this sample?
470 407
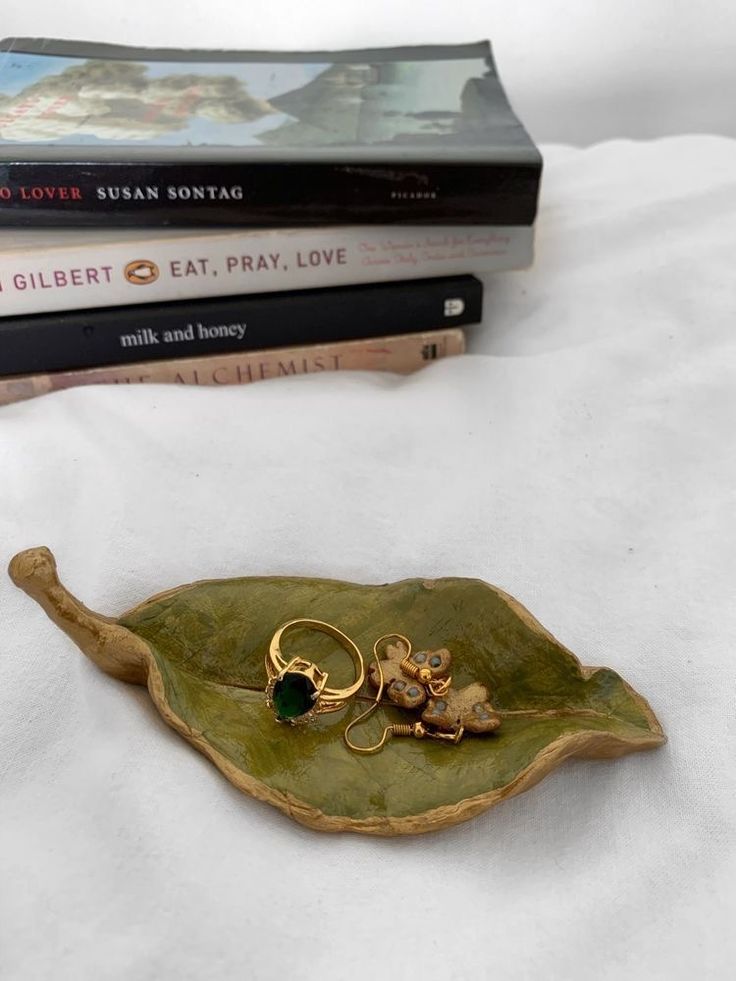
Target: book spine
88 274
401 354
91 338
269 194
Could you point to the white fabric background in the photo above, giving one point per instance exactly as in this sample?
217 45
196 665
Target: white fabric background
583 461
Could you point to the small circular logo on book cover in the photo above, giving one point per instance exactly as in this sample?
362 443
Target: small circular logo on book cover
140 272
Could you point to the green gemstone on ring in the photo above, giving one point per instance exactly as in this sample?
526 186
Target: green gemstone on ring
293 696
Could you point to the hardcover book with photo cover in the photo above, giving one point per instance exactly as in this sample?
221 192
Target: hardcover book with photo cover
95 133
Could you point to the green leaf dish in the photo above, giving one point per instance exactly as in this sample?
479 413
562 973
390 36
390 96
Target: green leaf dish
200 651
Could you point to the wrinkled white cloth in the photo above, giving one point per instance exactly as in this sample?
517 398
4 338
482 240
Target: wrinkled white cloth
582 458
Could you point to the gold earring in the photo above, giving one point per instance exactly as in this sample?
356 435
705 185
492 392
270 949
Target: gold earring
416 729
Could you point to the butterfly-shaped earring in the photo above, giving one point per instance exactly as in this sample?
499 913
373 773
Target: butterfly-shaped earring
466 708
410 679
422 680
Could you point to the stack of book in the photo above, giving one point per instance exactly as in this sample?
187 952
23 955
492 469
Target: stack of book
225 217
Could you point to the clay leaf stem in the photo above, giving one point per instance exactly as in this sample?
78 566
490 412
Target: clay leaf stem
113 648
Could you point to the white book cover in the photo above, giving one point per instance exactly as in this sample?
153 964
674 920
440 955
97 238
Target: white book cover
43 270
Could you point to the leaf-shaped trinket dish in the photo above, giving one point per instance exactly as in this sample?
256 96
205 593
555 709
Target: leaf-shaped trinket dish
200 650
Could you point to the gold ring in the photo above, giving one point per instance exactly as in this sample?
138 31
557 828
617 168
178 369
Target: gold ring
297 689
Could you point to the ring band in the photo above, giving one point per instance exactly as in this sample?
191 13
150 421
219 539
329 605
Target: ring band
297 689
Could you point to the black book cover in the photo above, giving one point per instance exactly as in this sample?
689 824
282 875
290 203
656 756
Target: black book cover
124 335
100 134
